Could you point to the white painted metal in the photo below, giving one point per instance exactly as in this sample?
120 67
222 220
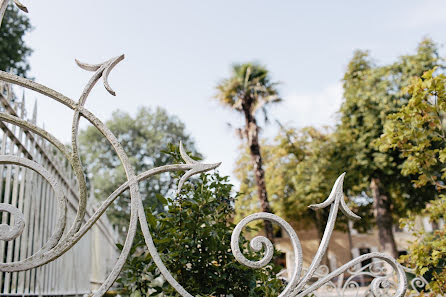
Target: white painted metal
33 201
349 283
71 227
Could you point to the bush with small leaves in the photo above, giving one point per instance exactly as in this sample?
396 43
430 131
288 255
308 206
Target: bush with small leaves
193 237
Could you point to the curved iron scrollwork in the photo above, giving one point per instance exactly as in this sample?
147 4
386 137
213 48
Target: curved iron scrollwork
299 286
351 283
64 237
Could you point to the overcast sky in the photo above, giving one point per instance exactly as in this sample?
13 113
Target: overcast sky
177 51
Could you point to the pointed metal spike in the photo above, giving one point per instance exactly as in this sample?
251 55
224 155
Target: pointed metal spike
196 169
23 105
337 187
34 118
347 211
88 67
110 65
185 156
21 6
103 69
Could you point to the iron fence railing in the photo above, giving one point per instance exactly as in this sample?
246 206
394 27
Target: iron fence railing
28 196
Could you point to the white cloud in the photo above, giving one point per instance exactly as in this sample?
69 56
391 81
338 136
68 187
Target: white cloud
314 108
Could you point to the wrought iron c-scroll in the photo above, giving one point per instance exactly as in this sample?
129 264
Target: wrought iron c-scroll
64 237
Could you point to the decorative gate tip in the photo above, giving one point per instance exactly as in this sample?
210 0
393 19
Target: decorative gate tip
102 69
4 4
64 237
21 6
195 167
301 286
337 193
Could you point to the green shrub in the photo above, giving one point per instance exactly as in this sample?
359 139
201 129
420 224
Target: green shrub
193 238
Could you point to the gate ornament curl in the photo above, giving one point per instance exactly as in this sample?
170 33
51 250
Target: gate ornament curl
64 237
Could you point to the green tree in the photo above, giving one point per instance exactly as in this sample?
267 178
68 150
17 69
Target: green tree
14 51
301 167
427 253
418 132
371 93
193 238
247 91
143 138
288 177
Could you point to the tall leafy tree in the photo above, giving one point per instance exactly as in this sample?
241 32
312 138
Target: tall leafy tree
247 91
143 137
418 132
371 93
13 50
301 167
288 177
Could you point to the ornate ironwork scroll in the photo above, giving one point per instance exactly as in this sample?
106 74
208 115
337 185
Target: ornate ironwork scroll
64 237
351 283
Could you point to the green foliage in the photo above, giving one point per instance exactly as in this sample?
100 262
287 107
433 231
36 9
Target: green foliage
371 93
286 161
143 138
301 167
249 80
427 254
193 239
14 52
417 132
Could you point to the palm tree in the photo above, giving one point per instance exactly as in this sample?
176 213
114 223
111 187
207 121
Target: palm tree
247 91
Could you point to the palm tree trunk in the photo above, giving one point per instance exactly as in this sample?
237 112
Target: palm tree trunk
383 215
252 133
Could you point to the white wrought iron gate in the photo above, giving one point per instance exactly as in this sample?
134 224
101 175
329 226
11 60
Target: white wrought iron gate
82 268
43 241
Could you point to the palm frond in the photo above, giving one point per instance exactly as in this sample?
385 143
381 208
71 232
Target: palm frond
248 82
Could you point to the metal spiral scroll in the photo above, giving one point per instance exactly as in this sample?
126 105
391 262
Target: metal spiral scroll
299 287
63 238
349 284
